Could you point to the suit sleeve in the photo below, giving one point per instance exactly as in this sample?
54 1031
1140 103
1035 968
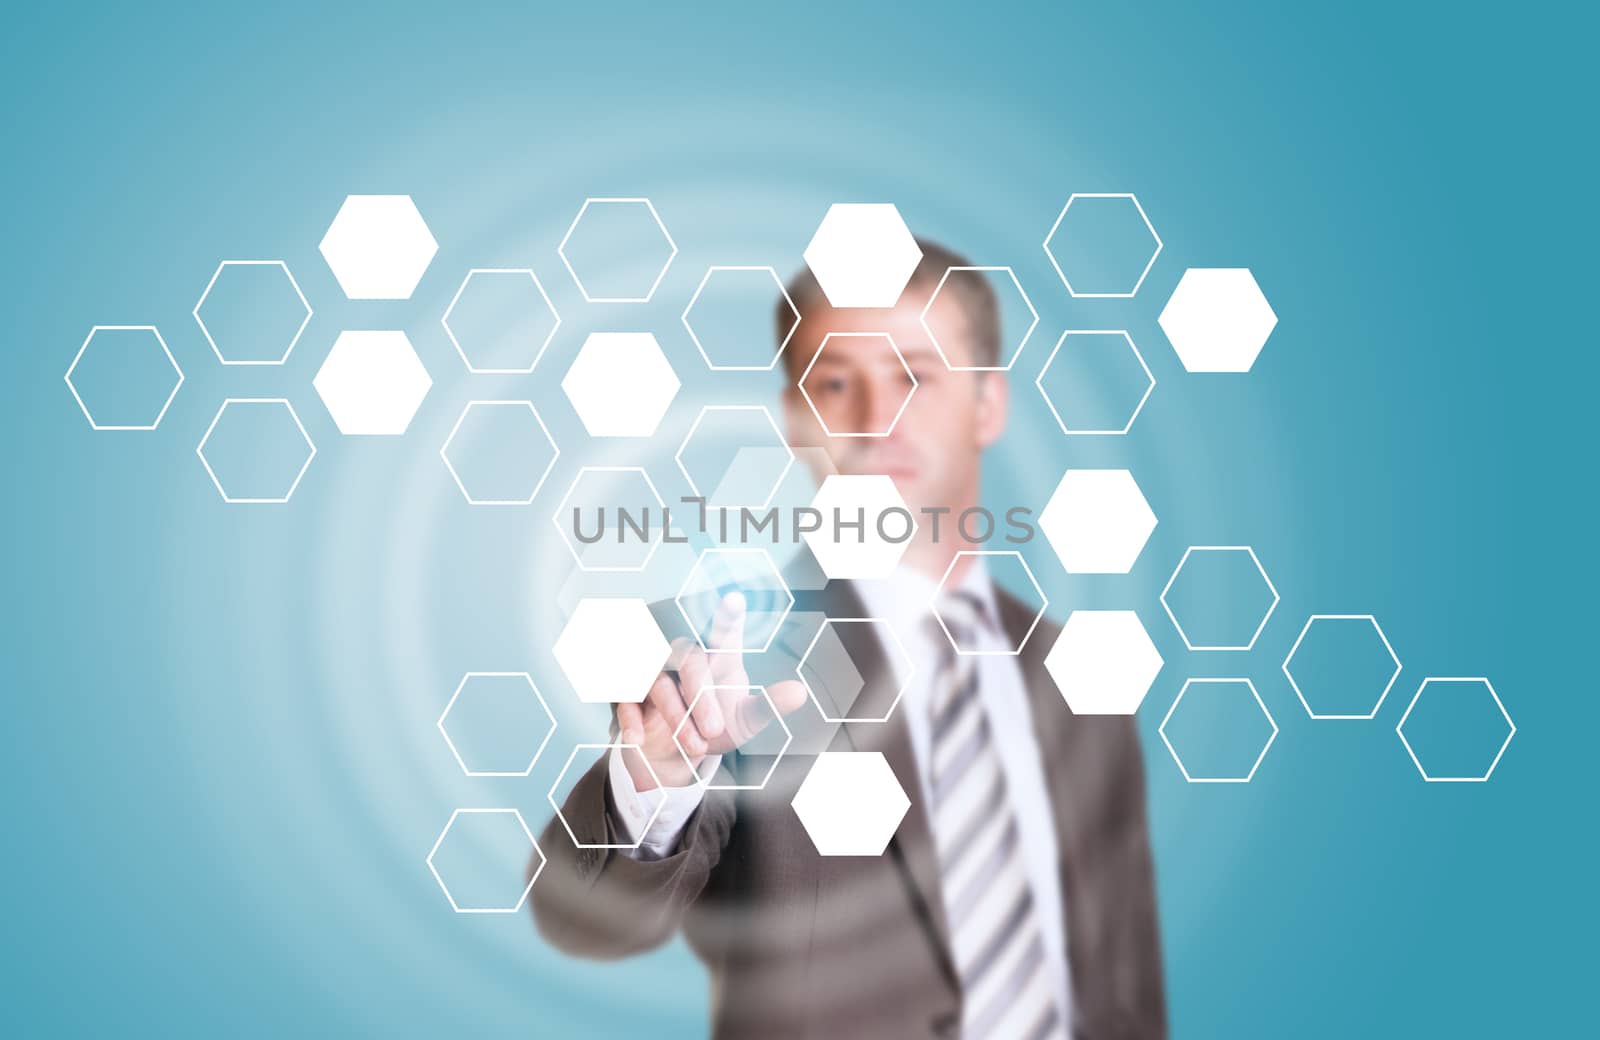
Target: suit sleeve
1141 930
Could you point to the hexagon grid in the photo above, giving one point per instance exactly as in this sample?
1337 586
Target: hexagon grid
837 416
1095 382
499 453
1008 570
1341 666
1217 319
864 526
256 450
480 861
1218 731
850 803
610 518
378 247
1097 520
497 724
576 768
1219 597
944 317
838 689
752 574
500 321
611 649
1103 662
252 312
124 377
735 456
1456 730
617 250
862 254
758 757
620 384
729 318
372 383
1102 245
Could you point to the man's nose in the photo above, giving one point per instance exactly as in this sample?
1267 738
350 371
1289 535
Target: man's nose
883 401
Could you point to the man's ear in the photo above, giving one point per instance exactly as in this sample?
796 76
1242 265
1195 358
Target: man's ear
994 406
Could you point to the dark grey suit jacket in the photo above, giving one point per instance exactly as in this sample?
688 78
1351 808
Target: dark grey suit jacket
803 945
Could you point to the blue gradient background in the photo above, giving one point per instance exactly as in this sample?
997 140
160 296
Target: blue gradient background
222 773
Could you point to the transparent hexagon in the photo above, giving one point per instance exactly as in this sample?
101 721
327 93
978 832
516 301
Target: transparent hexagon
1464 712
863 254
1102 245
1225 594
1226 714
252 312
611 650
1001 561
501 320
620 384
501 724
770 743
378 247
555 800
850 803
944 317
484 852
256 450
732 313
1103 662
1101 382
1217 319
1097 520
829 672
887 526
858 341
752 574
124 377
372 383
1344 663
621 507
734 456
622 248
499 453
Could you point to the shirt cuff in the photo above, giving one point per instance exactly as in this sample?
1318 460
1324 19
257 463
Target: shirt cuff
657 837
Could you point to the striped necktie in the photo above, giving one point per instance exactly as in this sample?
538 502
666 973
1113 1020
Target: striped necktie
995 938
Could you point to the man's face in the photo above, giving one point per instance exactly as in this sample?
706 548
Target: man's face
858 385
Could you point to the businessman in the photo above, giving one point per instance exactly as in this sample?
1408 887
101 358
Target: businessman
1016 899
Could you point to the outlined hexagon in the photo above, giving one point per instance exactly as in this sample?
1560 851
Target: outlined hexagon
1097 212
1216 591
620 384
114 358
745 750
1465 691
1103 662
1097 520
887 526
867 339
503 320
271 287
477 827
979 649
862 254
750 572
555 803
507 700
642 219
946 319
1244 700
378 247
619 553
834 681
850 803
1372 644
715 340
1081 345
372 383
757 466
525 453
275 423
611 650
1217 319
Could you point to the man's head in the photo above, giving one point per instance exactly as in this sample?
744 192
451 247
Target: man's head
857 384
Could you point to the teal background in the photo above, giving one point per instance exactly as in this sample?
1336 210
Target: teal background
222 774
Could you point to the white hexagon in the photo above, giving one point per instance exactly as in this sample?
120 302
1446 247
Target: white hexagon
620 384
705 782
611 650
462 819
378 246
635 555
476 680
149 343
1176 571
1217 319
887 526
850 803
522 309
647 210
981 650
749 457
372 383
1326 620
901 674
530 430
286 287
863 254
710 342
1010 355
1062 421
1195 778
555 803
1103 662
1105 198
867 337
242 498
1476 680
1097 520
751 572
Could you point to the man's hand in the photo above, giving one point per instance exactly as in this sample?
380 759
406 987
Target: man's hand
726 717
